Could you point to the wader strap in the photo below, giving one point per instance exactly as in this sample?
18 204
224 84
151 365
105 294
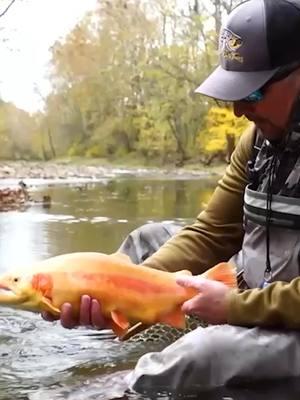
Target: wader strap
240 280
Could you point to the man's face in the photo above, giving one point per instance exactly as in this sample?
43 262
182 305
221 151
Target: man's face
271 113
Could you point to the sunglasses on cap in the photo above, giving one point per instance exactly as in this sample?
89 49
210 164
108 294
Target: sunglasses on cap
282 73
254 97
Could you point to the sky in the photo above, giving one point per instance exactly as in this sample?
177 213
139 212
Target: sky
27 31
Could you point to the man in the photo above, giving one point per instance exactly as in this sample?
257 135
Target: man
253 218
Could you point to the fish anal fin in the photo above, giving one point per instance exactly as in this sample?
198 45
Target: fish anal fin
175 318
118 330
120 319
223 272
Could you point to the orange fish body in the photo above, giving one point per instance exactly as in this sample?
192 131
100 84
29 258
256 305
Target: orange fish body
128 293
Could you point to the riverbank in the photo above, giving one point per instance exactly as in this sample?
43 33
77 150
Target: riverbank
93 170
19 179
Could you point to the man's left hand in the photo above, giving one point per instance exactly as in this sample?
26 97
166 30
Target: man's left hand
211 303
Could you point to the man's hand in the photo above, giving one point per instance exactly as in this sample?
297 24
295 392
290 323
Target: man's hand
211 302
90 315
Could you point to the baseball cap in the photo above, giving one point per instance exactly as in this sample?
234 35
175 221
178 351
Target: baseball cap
258 37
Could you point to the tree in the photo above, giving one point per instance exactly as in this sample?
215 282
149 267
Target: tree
124 78
219 136
6 8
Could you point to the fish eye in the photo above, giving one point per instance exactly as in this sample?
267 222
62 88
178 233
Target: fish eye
16 279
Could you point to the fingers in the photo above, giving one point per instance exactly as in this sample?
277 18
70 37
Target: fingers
66 316
85 311
191 305
48 316
67 320
90 314
97 318
192 282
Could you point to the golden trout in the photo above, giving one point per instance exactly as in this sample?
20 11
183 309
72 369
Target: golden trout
128 293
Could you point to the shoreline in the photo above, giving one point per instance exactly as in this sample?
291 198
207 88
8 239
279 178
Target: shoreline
11 172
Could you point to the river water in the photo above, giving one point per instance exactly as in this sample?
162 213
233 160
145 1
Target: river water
41 360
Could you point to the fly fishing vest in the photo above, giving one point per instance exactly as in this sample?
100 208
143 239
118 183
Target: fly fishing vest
271 245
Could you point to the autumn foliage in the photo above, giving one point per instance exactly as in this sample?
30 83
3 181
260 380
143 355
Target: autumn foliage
221 132
123 84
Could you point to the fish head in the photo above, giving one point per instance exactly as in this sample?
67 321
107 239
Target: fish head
15 289
25 292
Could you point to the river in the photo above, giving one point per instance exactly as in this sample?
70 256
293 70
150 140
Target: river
41 360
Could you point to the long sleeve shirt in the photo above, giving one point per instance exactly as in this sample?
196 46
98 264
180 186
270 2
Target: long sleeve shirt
216 235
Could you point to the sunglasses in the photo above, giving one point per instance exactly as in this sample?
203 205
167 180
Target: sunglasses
254 97
258 94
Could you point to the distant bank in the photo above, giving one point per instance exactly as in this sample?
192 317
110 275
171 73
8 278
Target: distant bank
93 170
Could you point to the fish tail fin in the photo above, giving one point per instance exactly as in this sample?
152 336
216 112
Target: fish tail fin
223 272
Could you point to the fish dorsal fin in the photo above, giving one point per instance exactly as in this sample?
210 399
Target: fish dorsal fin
122 256
222 272
176 318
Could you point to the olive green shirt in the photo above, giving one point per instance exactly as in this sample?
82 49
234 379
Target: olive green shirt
216 236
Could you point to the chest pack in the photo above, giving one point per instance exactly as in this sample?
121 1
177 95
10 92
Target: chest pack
271 245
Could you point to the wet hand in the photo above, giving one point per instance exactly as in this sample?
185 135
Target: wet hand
211 303
90 315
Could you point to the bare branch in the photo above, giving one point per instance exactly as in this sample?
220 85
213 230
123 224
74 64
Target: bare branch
180 75
228 5
7 8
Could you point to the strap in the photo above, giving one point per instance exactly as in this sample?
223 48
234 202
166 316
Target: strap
257 145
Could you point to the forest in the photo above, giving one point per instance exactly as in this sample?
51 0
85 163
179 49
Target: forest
123 84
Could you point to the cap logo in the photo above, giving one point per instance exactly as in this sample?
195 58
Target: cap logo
229 44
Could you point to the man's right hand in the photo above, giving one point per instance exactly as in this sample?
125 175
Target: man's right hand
90 315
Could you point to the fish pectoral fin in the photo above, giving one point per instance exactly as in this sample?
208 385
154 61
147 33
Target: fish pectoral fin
183 272
120 319
175 318
48 306
223 272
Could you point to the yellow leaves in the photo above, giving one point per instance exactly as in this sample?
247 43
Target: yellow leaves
215 145
221 124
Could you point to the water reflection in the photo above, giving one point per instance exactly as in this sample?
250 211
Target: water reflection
21 239
96 217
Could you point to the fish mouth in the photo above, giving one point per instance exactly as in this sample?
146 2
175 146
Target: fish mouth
8 296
